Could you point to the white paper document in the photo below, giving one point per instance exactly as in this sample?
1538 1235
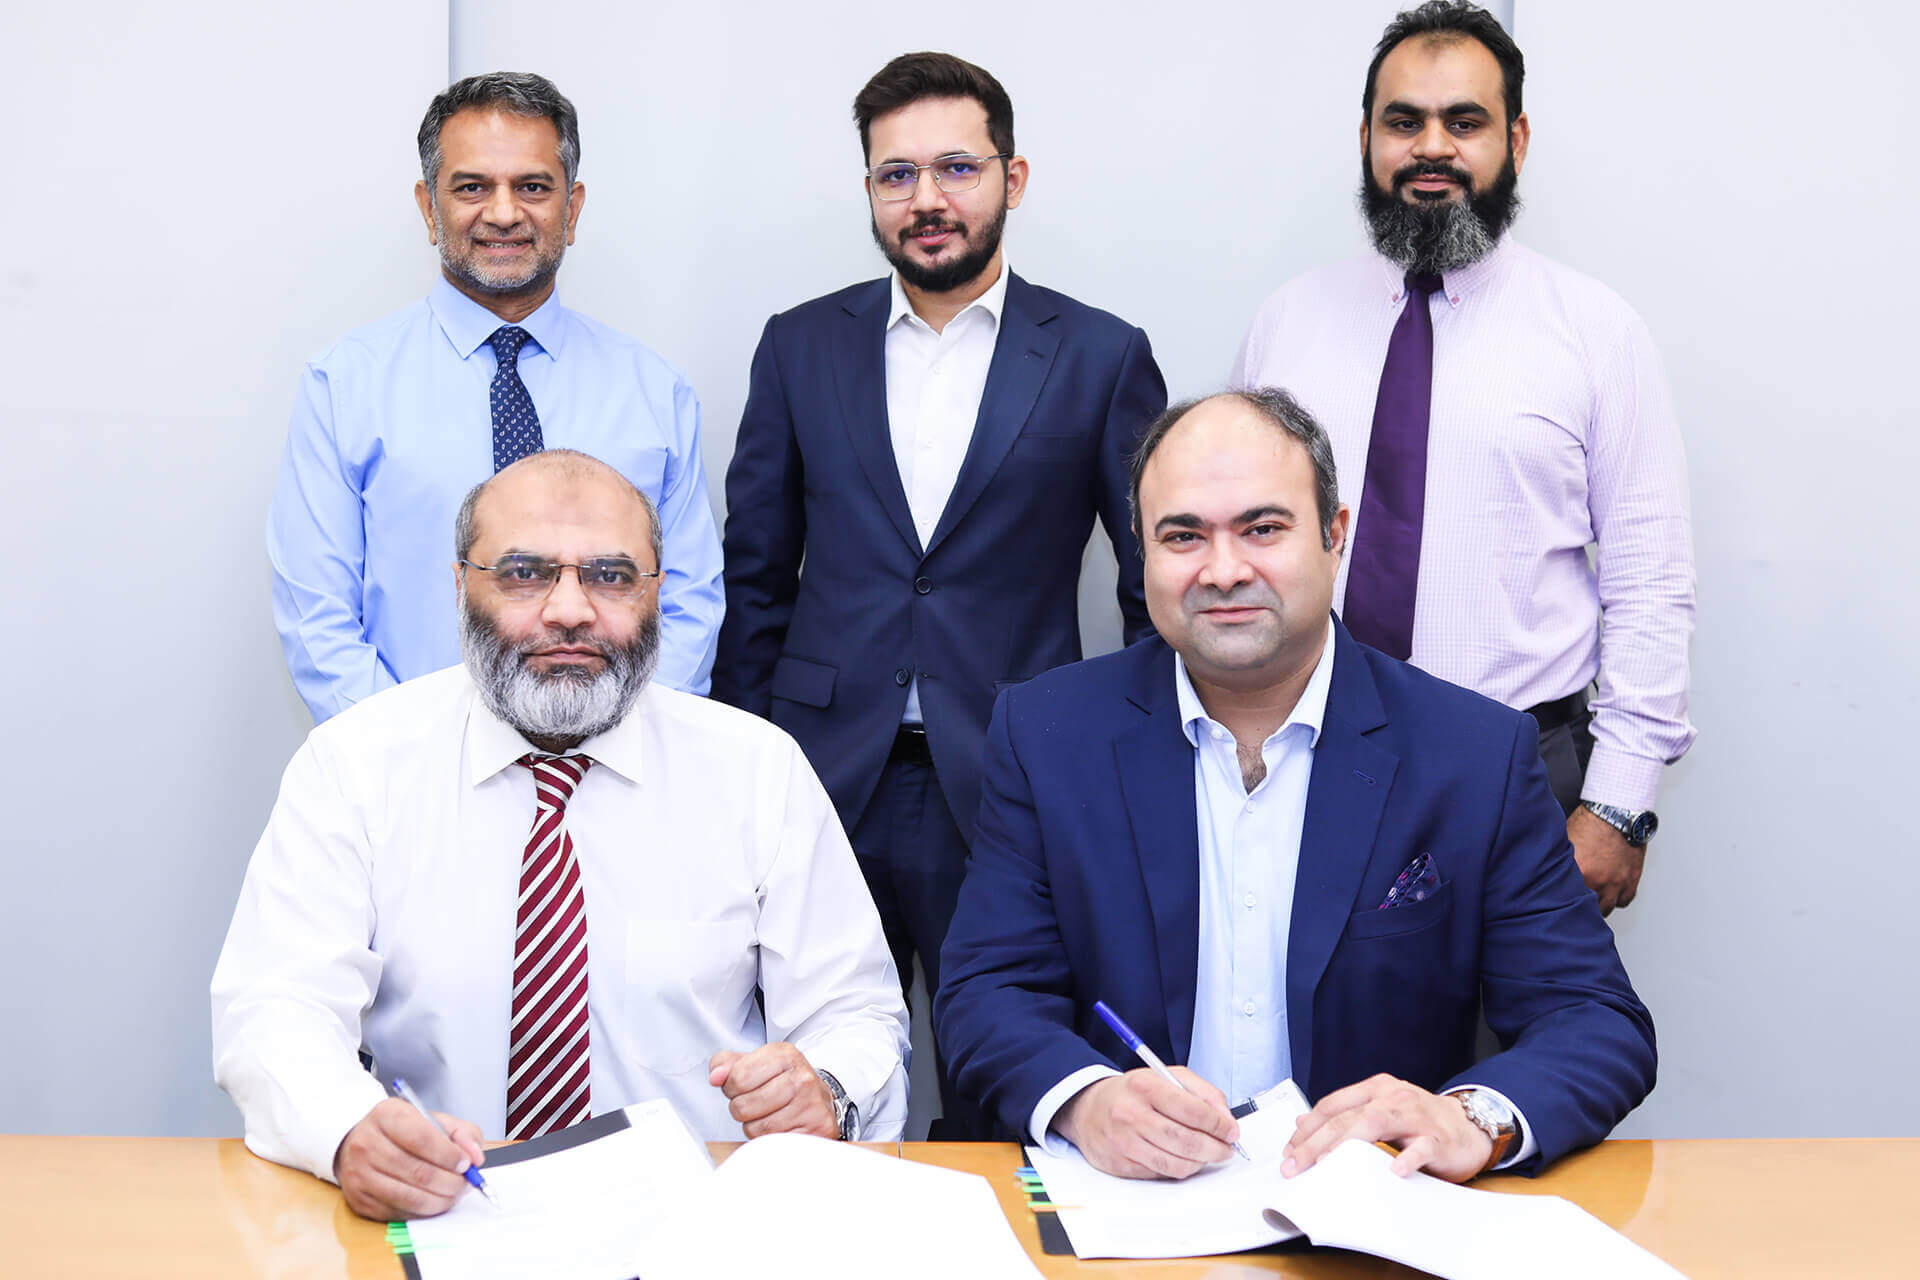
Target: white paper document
1350 1199
646 1201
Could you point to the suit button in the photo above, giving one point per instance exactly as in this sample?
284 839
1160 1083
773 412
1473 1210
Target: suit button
923 585
901 676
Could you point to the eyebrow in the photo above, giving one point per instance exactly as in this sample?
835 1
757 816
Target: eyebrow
464 175
1252 515
944 155
1452 111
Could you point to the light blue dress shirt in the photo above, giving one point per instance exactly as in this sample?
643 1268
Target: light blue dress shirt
390 430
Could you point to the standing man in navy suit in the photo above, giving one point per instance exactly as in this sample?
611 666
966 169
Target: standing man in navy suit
1278 854
935 447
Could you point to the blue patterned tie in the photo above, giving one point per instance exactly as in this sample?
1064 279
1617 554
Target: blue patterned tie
516 427
1384 577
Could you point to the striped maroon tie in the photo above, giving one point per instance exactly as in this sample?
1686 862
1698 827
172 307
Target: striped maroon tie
547 1062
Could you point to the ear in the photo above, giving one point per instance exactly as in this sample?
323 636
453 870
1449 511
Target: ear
1517 137
1337 531
1364 137
576 201
424 198
1016 180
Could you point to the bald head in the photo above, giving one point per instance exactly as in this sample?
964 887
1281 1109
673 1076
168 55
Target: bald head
566 481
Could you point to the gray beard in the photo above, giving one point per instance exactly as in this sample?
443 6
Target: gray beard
1428 238
562 704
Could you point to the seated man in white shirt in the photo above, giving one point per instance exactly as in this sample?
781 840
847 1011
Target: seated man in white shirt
672 911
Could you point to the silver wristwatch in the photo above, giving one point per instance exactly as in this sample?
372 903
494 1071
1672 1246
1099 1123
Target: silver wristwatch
845 1114
1492 1117
1638 827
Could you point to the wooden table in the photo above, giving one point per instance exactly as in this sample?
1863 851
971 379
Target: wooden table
207 1208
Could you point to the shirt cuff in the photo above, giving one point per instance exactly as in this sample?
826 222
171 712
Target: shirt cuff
1621 779
1523 1149
1057 1097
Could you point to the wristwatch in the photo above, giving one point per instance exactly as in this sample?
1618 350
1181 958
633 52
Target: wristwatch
1638 828
1492 1117
845 1114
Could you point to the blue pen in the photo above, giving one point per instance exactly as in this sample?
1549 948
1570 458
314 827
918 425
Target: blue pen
1148 1056
405 1090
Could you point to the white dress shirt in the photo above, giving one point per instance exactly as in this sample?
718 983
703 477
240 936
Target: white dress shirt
934 385
1551 431
1249 845
378 916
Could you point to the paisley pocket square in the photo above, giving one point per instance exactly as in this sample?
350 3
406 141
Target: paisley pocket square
1420 881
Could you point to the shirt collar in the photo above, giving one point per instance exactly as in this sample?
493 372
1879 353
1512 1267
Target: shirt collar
493 745
1310 710
468 325
993 301
1456 285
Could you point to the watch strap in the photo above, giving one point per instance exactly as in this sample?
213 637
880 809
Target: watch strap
846 1115
1491 1118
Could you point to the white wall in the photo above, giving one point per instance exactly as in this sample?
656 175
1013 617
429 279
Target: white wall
210 196
202 197
1739 174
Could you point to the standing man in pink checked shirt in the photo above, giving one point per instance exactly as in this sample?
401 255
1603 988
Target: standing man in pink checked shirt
1508 415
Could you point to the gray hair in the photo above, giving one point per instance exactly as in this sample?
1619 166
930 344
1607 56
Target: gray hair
520 93
1278 406
570 462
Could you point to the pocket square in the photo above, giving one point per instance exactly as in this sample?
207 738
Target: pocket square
1420 881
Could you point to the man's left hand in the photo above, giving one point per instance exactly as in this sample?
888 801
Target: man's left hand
1610 866
773 1090
1432 1132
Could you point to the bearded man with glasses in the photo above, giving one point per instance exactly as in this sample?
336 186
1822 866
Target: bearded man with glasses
541 887
935 447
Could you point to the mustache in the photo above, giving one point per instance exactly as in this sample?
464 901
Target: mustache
572 637
1245 596
931 222
1432 169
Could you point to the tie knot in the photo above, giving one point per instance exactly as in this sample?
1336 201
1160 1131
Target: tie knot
507 341
1422 284
555 777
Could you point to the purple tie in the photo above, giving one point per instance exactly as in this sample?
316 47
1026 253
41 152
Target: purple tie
1386 547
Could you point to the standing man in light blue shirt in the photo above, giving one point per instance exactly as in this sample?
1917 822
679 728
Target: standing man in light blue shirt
396 421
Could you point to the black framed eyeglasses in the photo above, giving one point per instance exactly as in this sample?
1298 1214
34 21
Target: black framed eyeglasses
897 179
612 578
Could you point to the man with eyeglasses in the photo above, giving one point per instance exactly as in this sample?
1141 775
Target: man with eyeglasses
396 420
540 887
919 465
1522 527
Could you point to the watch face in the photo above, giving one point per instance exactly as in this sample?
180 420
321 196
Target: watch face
1643 828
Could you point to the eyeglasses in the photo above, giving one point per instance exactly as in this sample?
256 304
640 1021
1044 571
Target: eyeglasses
610 578
898 180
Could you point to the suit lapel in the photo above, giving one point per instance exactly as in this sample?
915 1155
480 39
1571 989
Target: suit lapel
1022 357
1345 799
1156 779
861 374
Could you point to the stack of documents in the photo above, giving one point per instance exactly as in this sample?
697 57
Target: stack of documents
1350 1199
633 1194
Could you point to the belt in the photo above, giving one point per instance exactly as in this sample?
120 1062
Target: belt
910 746
1560 712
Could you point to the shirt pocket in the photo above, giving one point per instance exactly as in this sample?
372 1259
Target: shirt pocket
688 988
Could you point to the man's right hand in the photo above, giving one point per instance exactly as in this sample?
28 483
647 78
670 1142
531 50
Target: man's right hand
1138 1126
394 1165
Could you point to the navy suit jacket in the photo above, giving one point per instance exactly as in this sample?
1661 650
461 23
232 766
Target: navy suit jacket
1084 883
827 651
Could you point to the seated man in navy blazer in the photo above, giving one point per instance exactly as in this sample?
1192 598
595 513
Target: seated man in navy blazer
1276 853
919 464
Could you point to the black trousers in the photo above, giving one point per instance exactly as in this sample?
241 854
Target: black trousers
1566 744
914 857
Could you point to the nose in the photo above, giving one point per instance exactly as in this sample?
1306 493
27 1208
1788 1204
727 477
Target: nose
567 604
1434 142
927 194
502 210
1225 567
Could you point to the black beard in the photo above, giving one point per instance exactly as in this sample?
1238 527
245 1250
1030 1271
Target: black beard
946 276
1428 237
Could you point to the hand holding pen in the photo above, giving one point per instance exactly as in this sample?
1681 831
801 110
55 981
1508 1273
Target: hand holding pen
1151 1058
396 1164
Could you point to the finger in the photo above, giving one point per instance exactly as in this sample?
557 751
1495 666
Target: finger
1201 1087
1337 1103
804 1114
1190 1111
466 1135
1185 1151
404 1167
380 1196
413 1135
1416 1155
720 1066
1302 1155
759 1103
759 1067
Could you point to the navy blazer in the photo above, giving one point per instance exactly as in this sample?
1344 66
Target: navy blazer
827 651
1084 884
